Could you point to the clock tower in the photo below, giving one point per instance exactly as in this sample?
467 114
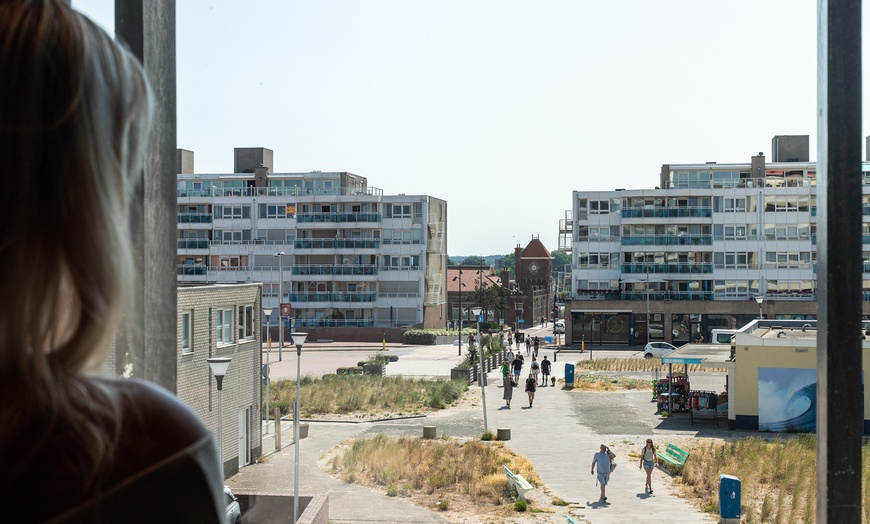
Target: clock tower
534 266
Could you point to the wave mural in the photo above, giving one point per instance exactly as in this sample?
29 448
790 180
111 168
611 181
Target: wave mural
786 399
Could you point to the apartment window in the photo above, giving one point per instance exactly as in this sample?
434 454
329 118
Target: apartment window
187 332
401 211
223 324
276 210
224 211
599 207
735 205
246 322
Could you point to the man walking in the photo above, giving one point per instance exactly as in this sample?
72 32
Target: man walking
545 370
602 460
537 345
518 367
528 344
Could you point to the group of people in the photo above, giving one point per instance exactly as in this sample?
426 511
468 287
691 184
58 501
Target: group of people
604 461
511 370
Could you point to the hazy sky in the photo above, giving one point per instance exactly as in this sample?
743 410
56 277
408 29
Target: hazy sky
500 107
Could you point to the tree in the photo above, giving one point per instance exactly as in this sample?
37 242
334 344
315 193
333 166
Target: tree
473 260
561 262
509 263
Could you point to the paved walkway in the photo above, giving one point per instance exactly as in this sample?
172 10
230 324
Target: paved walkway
559 435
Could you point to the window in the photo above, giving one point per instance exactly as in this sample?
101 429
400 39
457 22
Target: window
276 210
187 332
246 322
225 211
223 323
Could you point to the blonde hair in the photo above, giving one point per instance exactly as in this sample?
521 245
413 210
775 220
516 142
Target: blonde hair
74 118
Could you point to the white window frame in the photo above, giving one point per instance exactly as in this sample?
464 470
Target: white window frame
223 326
186 332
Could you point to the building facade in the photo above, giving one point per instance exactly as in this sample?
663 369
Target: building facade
223 321
339 251
713 246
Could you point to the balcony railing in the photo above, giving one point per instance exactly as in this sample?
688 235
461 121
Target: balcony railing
325 269
334 322
337 217
336 243
276 191
667 212
192 243
194 218
668 295
400 268
191 270
334 296
667 268
668 240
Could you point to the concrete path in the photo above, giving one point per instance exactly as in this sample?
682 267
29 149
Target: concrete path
559 435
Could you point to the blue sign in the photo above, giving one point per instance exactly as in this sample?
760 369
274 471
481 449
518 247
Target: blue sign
520 321
480 318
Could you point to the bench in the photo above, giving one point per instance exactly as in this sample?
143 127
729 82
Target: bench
518 483
566 349
570 520
674 456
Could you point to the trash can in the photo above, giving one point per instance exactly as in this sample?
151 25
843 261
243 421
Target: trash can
548 340
569 375
729 499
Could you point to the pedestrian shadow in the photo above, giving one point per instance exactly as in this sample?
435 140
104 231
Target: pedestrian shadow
643 495
597 504
526 407
503 408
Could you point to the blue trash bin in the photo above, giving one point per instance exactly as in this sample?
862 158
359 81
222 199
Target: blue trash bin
569 375
729 498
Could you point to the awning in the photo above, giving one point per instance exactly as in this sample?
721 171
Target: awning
607 311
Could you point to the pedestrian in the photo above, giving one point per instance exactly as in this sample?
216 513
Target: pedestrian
505 368
648 461
603 460
545 371
518 367
470 340
531 386
528 344
537 345
510 357
79 445
535 368
508 390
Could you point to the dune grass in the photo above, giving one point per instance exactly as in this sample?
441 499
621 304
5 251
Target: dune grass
778 477
447 467
584 382
343 394
636 364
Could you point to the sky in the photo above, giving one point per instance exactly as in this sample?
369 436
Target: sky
500 107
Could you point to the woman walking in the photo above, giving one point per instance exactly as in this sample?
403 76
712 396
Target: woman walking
648 462
508 382
531 386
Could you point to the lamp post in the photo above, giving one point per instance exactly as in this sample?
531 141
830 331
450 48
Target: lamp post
268 313
280 256
759 299
298 340
219 366
461 285
482 377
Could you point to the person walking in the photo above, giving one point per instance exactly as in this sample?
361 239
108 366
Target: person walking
602 461
534 369
537 345
505 368
510 357
528 344
508 389
518 367
531 386
545 371
648 461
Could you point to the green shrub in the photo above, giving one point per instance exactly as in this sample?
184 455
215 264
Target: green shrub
487 436
352 370
443 505
520 505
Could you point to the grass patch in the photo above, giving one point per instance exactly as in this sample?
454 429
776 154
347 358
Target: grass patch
344 394
636 364
777 477
608 383
449 469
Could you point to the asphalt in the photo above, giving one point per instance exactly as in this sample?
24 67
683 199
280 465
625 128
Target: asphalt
559 435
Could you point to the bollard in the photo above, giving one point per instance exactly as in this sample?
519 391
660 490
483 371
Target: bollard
503 434
429 432
303 430
277 429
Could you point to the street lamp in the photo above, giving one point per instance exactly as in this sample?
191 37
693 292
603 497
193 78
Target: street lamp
268 313
298 340
482 378
759 299
280 256
461 285
219 366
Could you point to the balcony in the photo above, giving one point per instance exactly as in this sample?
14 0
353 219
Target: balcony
341 218
184 269
336 243
400 268
668 212
333 322
681 269
326 269
276 191
192 243
194 218
334 296
668 240
667 295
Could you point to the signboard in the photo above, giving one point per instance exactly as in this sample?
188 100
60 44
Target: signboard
480 318
520 321
285 309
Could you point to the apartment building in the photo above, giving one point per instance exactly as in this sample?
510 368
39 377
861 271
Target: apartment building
339 251
712 246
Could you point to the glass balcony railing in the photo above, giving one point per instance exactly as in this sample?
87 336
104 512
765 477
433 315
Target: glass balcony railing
337 217
337 243
667 268
334 296
667 212
325 269
335 322
276 191
191 270
194 218
192 243
668 240
668 295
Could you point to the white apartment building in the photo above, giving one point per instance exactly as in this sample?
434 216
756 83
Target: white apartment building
342 253
713 246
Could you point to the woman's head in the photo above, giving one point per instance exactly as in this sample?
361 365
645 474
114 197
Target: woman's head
649 443
74 118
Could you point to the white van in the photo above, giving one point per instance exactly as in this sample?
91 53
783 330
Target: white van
722 336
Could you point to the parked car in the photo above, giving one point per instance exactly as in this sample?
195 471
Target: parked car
234 511
657 349
559 328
